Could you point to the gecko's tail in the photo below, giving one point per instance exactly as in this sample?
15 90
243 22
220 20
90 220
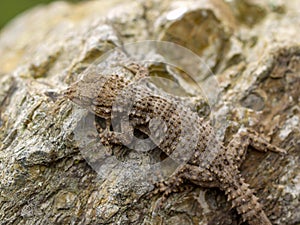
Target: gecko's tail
246 203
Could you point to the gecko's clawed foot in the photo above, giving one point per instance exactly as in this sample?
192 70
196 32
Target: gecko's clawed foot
173 185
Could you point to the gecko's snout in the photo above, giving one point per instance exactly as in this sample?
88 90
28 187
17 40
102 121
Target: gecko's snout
53 95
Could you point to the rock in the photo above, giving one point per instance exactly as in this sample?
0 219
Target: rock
46 177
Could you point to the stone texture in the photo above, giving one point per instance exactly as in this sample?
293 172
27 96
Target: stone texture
252 47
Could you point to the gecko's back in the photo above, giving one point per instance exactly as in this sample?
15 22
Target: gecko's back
186 137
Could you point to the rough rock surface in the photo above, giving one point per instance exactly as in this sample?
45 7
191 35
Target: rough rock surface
251 46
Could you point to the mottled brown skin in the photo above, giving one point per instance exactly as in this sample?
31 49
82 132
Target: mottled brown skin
182 134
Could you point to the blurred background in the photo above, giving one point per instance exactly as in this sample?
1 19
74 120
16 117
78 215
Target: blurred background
11 8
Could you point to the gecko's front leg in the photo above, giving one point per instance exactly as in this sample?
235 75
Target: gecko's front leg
113 141
109 136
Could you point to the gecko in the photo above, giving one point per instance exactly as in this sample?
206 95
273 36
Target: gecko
178 132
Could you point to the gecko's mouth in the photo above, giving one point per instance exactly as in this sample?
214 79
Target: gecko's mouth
72 95
82 101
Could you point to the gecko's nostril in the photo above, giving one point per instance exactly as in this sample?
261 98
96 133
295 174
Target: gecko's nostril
54 95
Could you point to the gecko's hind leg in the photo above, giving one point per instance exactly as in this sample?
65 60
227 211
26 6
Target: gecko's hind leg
237 147
175 183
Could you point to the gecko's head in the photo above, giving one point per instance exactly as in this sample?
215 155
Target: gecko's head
80 93
97 95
